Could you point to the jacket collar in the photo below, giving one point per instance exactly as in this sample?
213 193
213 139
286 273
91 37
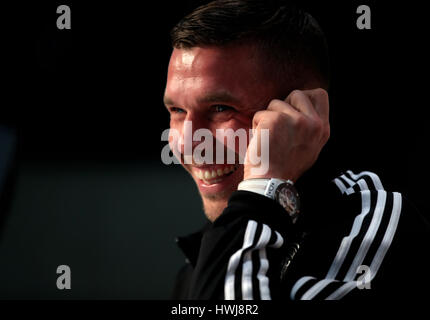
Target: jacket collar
190 244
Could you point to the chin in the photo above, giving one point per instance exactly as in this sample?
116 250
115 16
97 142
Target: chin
213 209
216 183
215 203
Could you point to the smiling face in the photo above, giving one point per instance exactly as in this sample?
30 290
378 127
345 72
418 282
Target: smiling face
215 88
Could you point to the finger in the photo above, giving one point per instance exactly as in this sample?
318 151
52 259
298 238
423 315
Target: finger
320 101
300 101
263 114
282 106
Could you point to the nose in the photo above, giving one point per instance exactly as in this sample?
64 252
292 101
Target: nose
186 143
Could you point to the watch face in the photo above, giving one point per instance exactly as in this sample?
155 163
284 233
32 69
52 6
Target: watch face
288 198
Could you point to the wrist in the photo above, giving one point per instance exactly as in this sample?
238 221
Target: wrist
279 190
247 175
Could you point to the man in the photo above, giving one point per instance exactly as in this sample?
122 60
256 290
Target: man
280 234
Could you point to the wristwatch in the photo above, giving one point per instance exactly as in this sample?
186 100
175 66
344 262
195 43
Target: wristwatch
282 191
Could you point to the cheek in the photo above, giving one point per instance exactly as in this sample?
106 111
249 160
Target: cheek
239 130
236 123
175 132
174 126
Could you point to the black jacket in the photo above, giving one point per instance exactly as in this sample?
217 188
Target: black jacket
354 239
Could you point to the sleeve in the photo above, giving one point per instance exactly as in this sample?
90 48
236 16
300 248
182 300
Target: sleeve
240 255
366 243
379 253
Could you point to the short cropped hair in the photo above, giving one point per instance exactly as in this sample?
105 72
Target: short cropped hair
290 40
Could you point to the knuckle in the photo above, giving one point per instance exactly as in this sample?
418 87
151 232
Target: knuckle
318 125
315 129
296 92
257 114
260 115
274 103
322 94
256 118
300 122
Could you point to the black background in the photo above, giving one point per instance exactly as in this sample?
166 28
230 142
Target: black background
87 102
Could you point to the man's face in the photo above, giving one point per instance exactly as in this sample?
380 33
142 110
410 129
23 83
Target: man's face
215 88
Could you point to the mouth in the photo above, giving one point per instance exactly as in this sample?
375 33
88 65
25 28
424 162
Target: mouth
215 174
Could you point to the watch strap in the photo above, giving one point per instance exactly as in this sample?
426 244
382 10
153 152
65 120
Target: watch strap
266 187
271 187
254 185
263 186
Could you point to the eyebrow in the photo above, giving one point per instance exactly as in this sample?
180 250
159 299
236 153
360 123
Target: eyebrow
220 96
167 101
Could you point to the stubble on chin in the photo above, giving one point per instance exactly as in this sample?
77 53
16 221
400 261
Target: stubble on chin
215 204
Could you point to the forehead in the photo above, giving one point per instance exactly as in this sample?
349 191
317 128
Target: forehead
199 59
236 69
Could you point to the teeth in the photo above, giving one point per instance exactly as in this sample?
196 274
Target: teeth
212 174
212 181
207 175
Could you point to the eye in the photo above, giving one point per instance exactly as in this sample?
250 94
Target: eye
176 110
222 108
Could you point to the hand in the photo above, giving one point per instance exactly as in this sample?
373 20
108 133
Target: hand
298 129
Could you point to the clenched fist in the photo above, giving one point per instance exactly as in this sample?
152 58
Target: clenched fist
298 129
